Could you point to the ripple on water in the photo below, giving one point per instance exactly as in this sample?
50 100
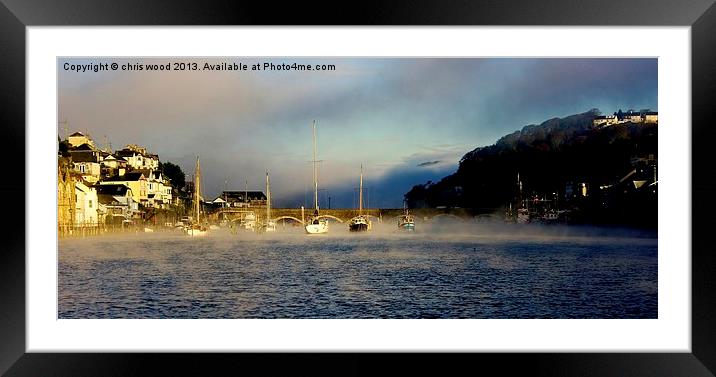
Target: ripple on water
293 276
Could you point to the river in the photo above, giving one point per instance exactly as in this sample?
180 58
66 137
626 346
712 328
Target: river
466 271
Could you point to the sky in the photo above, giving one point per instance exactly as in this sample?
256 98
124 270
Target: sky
405 120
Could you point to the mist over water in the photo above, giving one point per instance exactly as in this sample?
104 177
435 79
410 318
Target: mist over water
447 269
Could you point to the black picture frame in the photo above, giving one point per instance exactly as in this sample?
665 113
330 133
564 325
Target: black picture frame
16 15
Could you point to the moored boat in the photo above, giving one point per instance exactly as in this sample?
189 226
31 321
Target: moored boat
406 221
360 223
316 224
196 229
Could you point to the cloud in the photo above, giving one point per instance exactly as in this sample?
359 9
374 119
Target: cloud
428 163
406 120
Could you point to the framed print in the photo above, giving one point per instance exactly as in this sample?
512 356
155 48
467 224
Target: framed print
475 184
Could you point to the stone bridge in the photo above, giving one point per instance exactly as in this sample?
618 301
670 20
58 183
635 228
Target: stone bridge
340 215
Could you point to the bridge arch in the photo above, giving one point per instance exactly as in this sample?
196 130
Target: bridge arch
287 218
331 217
447 215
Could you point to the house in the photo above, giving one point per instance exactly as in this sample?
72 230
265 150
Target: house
219 202
116 203
243 198
159 191
138 158
605 120
136 181
87 165
651 117
85 205
631 116
78 138
112 165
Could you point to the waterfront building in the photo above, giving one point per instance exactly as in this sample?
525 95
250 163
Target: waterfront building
159 192
116 203
243 198
136 181
85 205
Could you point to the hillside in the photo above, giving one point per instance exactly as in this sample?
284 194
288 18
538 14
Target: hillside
547 157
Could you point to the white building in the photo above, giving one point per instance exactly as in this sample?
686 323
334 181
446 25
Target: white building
138 158
135 181
116 203
159 191
605 120
85 205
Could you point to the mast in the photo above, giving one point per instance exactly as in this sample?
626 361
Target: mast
268 200
315 173
197 189
360 195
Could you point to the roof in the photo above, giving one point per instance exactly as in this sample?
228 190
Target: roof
131 176
83 156
239 195
77 134
83 147
126 153
155 174
651 113
113 189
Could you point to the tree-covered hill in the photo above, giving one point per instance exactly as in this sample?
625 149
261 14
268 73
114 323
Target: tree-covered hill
547 157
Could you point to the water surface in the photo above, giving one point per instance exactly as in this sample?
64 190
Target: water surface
476 272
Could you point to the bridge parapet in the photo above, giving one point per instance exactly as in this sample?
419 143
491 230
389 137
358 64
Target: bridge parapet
382 214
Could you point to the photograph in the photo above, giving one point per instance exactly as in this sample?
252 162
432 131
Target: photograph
357 187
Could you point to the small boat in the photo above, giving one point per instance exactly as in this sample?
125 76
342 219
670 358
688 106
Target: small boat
196 229
360 223
316 224
406 221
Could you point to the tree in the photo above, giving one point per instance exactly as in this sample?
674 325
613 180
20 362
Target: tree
174 173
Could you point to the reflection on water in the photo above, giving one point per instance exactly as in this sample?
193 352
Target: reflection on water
474 272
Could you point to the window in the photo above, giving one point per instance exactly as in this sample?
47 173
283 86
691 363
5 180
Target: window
90 203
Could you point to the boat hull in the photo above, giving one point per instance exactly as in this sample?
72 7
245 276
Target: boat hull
196 232
362 227
410 227
359 224
319 228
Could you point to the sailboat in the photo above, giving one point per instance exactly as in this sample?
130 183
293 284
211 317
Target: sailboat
196 229
360 223
316 225
406 221
269 225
